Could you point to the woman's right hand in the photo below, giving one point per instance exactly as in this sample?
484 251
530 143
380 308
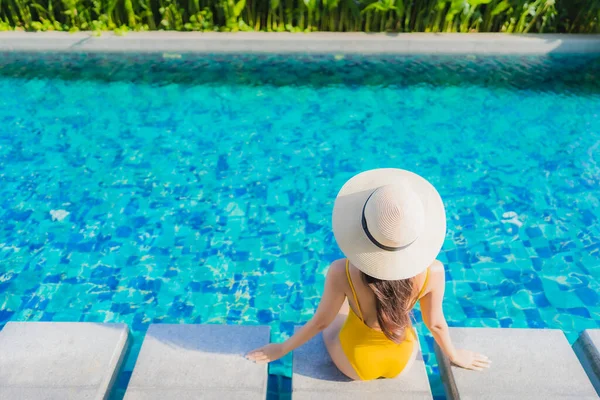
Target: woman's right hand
470 360
266 354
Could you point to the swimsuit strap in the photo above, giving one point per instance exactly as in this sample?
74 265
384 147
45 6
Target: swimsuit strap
352 287
424 284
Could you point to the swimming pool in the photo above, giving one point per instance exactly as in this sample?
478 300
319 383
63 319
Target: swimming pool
198 189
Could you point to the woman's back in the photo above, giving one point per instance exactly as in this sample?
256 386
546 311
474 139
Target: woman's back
370 351
367 301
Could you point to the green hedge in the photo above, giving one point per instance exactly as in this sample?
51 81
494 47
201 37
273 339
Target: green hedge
513 16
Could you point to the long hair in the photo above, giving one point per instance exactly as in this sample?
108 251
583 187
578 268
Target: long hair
394 301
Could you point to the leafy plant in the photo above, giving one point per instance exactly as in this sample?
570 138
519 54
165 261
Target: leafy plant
121 16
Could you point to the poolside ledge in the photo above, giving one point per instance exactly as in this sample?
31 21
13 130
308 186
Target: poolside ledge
316 377
315 43
60 360
192 361
526 364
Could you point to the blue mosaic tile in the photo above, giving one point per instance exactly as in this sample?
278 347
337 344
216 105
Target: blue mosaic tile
588 296
203 193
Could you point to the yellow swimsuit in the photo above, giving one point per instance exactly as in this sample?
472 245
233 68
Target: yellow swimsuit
369 351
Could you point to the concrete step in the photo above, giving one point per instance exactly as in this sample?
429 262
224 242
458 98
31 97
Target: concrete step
526 364
199 362
316 377
587 348
60 360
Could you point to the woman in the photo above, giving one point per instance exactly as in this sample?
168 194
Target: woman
390 224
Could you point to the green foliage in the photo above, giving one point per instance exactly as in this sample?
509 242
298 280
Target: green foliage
121 16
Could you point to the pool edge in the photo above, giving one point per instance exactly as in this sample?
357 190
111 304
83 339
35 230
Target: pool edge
312 43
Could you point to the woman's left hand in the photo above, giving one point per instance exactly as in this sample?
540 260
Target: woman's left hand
470 360
266 354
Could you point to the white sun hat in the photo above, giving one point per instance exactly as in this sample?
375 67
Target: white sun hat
390 223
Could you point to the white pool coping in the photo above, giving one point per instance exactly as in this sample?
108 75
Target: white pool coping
196 361
526 364
315 376
303 43
60 360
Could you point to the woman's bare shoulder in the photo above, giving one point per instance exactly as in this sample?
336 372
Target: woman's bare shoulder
338 267
437 275
436 266
336 274
435 278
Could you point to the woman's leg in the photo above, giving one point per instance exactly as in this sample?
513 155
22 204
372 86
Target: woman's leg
333 345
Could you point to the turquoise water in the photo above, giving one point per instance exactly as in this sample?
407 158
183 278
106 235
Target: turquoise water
188 189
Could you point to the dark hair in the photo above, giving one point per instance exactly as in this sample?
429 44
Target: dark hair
394 301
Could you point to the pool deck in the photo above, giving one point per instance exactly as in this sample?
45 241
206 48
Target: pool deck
315 376
60 360
526 364
77 360
182 361
313 43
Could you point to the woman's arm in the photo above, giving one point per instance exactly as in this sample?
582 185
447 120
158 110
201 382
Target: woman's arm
433 316
329 306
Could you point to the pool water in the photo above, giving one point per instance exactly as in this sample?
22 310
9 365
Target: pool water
198 189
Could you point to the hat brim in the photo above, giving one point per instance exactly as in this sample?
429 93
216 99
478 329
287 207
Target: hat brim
366 256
